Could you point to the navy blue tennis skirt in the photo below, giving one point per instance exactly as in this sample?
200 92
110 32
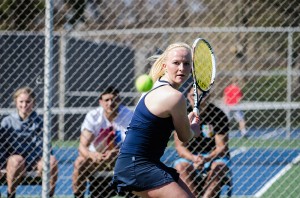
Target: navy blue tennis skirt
136 173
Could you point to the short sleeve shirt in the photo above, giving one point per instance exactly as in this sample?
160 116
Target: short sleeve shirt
213 121
96 122
232 94
25 136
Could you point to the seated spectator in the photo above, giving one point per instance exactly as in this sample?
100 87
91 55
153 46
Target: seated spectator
25 139
4 148
102 131
203 165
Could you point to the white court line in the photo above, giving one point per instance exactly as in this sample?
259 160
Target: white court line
269 135
277 176
238 151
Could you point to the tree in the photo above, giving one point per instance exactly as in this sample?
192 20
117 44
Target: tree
21 15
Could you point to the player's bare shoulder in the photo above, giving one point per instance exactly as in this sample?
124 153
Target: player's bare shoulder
170 96
163 100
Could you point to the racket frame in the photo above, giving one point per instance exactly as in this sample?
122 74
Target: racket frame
198 99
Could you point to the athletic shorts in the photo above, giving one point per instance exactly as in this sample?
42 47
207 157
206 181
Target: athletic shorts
3 148
3 158
238 115
136 173
31 161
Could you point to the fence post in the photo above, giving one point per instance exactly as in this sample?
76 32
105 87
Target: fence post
289 82
62 87
47 97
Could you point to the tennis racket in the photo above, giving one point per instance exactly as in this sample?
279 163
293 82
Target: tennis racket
203 70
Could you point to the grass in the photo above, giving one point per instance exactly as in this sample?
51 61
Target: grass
286 186
65 144
261 143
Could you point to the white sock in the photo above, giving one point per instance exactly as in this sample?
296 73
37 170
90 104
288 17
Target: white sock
243 131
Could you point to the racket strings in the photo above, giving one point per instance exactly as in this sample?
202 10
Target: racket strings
203 65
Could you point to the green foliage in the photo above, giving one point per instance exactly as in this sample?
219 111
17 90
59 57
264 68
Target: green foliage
20 15
261 143
69 143
266 89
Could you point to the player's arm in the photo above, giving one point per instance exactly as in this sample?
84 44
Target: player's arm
221 149
183 128
86 138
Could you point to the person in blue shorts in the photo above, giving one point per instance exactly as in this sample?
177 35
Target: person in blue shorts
25 128
205 158
138 167
232 96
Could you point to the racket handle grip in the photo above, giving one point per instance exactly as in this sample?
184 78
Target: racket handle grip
195 110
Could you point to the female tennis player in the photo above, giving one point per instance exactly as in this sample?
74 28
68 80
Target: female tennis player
138 168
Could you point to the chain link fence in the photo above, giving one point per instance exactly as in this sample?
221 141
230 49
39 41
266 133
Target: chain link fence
99 43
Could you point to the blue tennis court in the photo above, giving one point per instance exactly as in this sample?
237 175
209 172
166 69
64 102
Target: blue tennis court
252 169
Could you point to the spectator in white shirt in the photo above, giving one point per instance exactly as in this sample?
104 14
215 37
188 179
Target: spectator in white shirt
102 131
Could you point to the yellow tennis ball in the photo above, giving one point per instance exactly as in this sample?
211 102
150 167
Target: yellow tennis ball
143 83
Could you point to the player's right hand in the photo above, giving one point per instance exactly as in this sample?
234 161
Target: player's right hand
193 118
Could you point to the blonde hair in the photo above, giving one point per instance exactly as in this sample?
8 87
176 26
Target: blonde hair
157 68
26 90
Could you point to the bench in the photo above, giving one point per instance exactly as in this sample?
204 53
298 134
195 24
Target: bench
100 184
30 178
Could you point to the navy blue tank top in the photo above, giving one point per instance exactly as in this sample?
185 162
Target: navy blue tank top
147 134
